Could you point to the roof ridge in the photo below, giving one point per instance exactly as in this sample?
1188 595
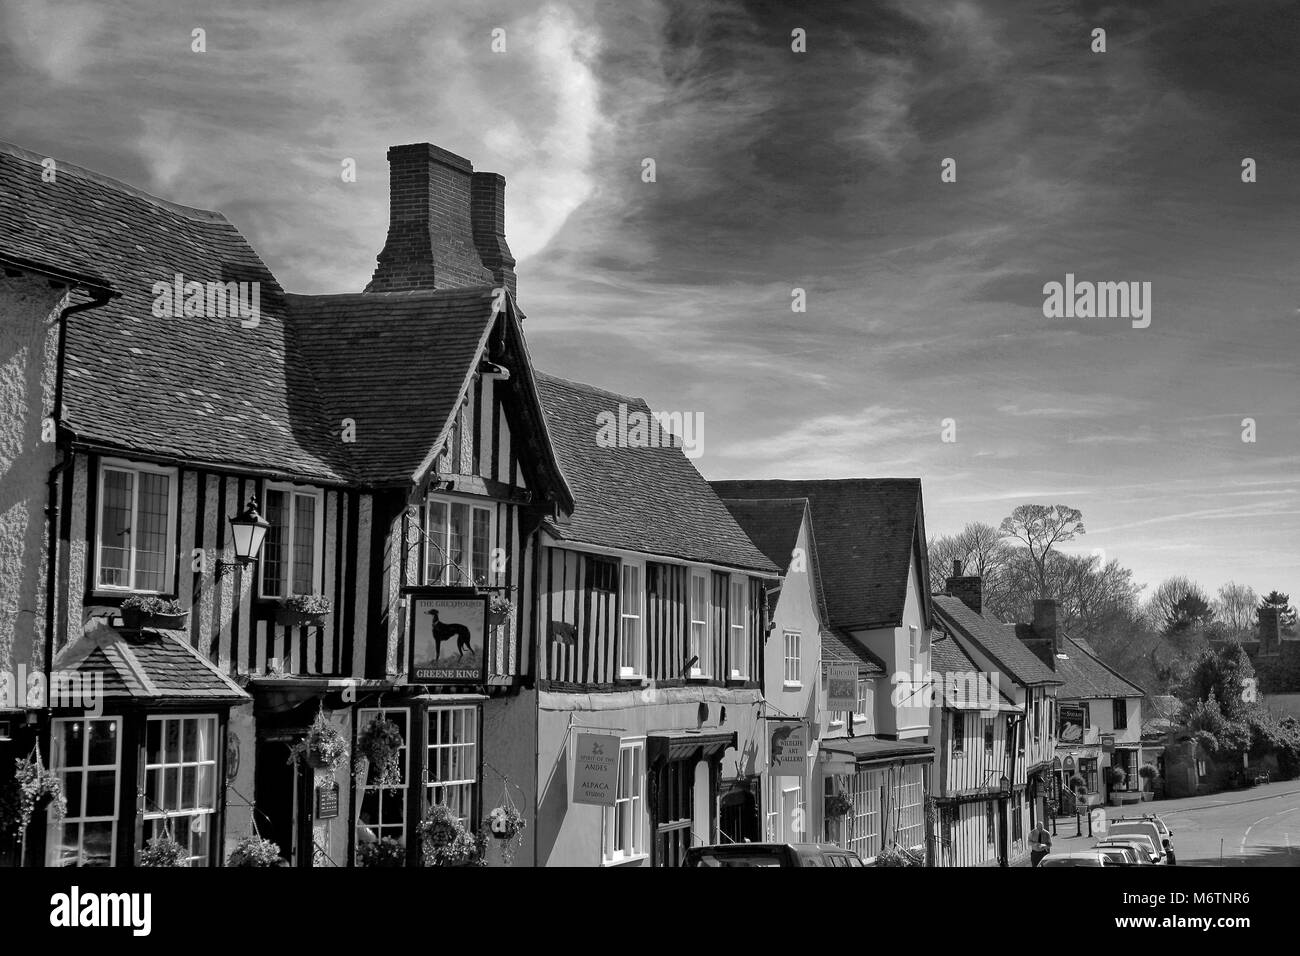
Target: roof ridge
465 291
588 388
90 175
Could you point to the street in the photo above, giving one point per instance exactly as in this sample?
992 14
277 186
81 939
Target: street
1255 827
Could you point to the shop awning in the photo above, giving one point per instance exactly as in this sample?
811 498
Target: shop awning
868 750
679 744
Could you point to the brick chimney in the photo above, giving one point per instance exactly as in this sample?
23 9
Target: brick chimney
1270 629
969 589
488 217
445 224
1045 623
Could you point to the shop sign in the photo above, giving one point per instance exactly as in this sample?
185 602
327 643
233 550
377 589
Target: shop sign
789 753
447 638
1071 725
842 688
1108 744
327 801
595 769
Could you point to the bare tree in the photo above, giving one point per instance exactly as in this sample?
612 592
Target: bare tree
1235 609
1042 528
980 549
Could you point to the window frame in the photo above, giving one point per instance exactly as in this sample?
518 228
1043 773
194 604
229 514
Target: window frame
624 614
147 815
794 682
362 719
867 685
444 577
85 769
641 813
1119 714
169 560
702 668
430 785
739 642
318 548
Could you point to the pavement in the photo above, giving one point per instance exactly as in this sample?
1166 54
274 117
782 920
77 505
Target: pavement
1255 827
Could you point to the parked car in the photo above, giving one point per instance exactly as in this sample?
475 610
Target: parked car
1145 846
1121 855
1077 858
1146 826
771 854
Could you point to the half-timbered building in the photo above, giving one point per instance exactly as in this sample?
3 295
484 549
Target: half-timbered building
651 611
1031 684
867 543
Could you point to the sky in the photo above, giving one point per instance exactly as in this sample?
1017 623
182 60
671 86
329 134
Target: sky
778 170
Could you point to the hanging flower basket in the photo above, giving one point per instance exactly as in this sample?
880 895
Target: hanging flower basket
32 788
379 744
445 841
139 612
252 850
506 823
384 852
323 748
499 610
838 804
303 610
163 851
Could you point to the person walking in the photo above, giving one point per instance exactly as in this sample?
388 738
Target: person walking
1040 843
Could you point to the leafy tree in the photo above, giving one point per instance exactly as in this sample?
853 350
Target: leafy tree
1205 721
1282 602
1042 528
1224 675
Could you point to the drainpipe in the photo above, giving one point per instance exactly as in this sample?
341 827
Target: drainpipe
99 297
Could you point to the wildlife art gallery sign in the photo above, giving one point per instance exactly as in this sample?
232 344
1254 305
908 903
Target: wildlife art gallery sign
448 638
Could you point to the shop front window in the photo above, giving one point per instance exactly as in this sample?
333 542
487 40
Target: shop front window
383 808
87 754
181 782
451 769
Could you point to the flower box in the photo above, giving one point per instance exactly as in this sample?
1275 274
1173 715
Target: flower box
161 613
301 610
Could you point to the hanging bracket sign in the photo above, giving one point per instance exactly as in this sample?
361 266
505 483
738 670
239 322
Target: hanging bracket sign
595 769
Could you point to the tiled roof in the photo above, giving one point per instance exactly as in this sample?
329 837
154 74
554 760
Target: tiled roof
965 686
645 499
397 364
866 530
999 641
772 524
1086 676
201 389
840 647
156 666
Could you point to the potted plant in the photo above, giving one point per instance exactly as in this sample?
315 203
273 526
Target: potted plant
303 609
1118 778
162 851
380 744
323 747
445 841
140 611
384 852
500 609
252 850
838 804
32 788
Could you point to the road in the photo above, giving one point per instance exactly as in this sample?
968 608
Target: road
1255 827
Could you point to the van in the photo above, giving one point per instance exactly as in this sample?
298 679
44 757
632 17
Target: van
771 854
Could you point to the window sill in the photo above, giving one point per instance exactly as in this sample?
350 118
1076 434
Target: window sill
624 860
792 685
